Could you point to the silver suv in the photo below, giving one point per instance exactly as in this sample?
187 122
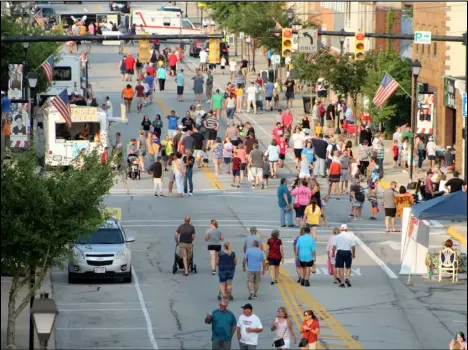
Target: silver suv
102 254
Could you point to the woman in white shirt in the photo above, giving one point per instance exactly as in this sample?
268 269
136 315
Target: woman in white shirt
273 157
179 172
431 152
297 140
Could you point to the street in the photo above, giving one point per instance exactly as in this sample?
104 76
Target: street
162 310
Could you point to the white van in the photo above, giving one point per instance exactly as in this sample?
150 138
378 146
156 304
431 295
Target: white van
162 22
66 75
89 130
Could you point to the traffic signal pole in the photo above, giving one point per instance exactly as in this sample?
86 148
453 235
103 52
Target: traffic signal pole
63 38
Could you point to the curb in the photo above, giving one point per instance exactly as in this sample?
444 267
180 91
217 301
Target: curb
452 231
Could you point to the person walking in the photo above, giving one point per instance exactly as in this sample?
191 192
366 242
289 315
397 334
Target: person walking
213 237
273 151
156 170
179 173
312 214
184 237
127 94
226 261
284 330
285 204
404 199
275 255
223 326
256 166
217 103
331 260
344 250
389 206
306 254
180 81
248 328
198 83
310 330
211 125
189 161
209 86
254 264
161 73
251 95
302 195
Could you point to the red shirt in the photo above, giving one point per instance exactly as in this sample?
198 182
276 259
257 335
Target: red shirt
277 133
104 157
236 163
173 59
335 168
260 81
287 120
140 91
151 71
321 110
274 251
395 150
129 62
308 334
283 145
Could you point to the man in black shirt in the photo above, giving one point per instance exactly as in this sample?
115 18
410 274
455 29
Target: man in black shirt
184 237
320 149
156 170
456 184
198 145
189 161
290 84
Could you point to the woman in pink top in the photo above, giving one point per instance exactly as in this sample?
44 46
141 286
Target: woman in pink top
302 196
241 153
331 259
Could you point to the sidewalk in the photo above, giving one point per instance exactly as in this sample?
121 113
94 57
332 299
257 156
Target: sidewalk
22 322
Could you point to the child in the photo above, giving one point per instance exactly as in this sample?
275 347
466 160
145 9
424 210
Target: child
324 202
266 172
243 158
395 153
223 64
236 169
372 197
283 145
318 129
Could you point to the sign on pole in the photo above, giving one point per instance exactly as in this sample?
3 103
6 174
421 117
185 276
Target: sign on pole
307 40
464 105
423 38
241 35
275 59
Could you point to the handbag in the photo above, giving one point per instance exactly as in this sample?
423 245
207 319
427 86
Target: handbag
303 342
278 343
330 267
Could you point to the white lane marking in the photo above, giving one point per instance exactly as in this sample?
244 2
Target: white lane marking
102 286
149 324
100 329
436 223
99 310
144 190
196 220
109 303
316 242
397 245
374 257
85 9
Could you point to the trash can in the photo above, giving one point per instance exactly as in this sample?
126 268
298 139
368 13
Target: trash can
306 101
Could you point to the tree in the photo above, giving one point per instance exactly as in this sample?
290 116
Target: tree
42 216
397 110
312 67
14 53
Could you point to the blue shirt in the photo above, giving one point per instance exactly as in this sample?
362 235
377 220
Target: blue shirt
280 192
6 105
172 125
161 73
222 323
180 79
305 246
149 80
254 257
269 87
309 153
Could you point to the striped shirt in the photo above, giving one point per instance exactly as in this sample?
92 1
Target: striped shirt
211 123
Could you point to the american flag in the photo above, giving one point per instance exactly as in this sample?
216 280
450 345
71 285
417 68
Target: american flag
48 67
387 87
60 102
40 20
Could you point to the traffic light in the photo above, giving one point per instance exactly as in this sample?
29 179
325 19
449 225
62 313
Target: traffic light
359 46
286 42
214 55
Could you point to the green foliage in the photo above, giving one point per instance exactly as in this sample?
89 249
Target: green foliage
311 68
390 22
397 110
12 53
255 19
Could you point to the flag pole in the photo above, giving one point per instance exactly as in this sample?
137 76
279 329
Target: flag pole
42 63
401 87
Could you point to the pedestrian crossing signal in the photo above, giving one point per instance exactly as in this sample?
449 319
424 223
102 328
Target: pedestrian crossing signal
359 47
286 42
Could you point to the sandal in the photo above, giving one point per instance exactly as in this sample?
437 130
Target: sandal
397 230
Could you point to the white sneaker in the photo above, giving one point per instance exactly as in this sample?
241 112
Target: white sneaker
190 194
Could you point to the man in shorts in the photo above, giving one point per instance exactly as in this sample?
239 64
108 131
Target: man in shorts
389 206
184 237
127 94
357 198
198 145
130 63
140 96
211 125
254 264
256 165
344 249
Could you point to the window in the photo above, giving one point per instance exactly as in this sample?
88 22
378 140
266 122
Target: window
186 24
62 74
434 47
78 131
102 236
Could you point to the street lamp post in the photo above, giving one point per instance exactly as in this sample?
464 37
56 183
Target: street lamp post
342 40
186 9
43 314
32 83
290 14
25 66
416 69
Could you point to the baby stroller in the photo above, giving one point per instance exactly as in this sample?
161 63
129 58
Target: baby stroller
133 170
179 262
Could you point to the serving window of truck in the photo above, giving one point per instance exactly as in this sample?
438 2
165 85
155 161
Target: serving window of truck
85 126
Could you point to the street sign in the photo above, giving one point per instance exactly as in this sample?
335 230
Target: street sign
464 105
275 59
241 35
307 40
423 38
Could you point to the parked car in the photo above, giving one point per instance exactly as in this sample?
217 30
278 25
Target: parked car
122 6
103 253
195 47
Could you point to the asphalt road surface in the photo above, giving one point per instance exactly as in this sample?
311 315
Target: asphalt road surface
162 310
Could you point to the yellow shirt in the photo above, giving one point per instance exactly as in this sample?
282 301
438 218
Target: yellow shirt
318 130
239 92
312 218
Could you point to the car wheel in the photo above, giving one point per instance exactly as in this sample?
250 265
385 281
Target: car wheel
71 278
128 278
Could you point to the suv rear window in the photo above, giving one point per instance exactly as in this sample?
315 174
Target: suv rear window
102 236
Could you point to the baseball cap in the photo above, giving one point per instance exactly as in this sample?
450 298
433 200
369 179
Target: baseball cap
253 230
344 227
247 306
